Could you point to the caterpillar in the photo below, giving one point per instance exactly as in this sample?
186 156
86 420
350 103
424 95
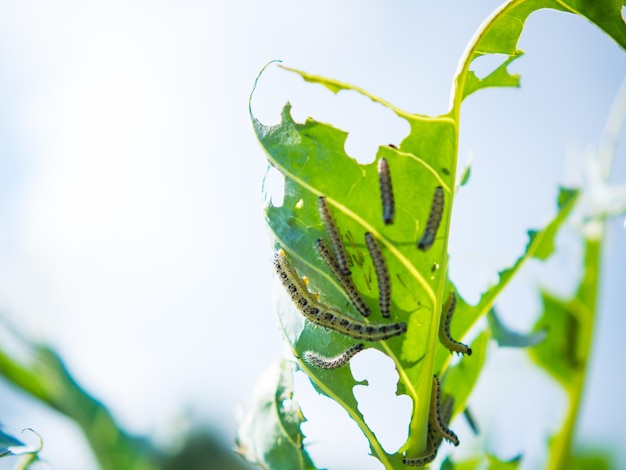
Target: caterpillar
434 219
433 438
386 191
425 457
345 281
336 362
324 315
444 328
333 235
435 418
382 274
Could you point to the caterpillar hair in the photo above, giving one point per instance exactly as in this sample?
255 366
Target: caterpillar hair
336 362
435 419
444 328
333 235
345 281
386 191
326 316
382 274
434 219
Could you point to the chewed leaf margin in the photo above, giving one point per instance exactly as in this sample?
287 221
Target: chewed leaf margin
501 32
297 145
269 435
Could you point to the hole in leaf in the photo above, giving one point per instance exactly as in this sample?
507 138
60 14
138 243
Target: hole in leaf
369 125
332 439
482 66
386 413
624 14
273 187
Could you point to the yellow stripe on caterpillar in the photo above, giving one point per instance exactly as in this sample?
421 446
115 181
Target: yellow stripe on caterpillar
444 328
326 316
333 235
345 281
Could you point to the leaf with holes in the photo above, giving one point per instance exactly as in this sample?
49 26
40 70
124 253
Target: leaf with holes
311 157
269 434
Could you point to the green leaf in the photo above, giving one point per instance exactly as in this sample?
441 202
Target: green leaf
8 443
465 176
501 32
565 352
540 246
507 338
485 461
10 446
559 354
569 324
46 378
592 460
461 378
314 162
499 77
269 435
496 464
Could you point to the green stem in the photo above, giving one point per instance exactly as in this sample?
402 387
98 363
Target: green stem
585 310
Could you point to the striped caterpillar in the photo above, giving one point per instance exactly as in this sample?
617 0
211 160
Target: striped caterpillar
336 362
444 328
434 219
345 281
382 274
328 317
333 235
386 191
435 417
425 457
439 416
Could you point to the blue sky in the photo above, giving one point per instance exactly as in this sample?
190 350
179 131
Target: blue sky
133 237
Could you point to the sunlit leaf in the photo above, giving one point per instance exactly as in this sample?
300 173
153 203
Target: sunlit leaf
314 162
269 435
501 32
311 157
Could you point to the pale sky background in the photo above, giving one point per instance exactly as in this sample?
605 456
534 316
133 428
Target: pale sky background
133 237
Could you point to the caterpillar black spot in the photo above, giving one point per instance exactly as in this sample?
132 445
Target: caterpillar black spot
425 457
433 439
382 274
333 235
336 362
328 317
435 419
444 328
345 281
386 191
434 219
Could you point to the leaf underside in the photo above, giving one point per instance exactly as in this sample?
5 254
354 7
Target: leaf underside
311 156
